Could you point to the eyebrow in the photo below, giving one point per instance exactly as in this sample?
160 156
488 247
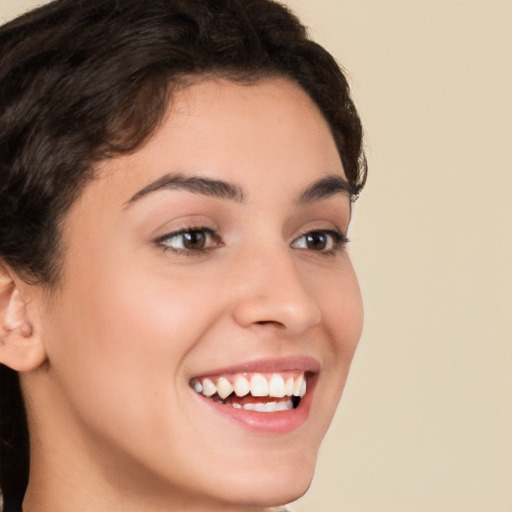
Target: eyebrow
326 187
322 189
194 184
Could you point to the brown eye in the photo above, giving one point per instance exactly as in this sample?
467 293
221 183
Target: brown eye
320 241
194 240
316 241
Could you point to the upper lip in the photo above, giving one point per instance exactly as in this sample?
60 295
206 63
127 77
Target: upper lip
273 365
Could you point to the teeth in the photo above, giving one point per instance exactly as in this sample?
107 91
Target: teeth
259 385
297 387
303 388
289 387
224 387
209 387
284 406
241 386
276 386
268 407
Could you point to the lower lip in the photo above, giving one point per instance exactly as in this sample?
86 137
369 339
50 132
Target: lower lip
280 422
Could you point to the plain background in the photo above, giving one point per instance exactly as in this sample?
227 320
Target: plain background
425 424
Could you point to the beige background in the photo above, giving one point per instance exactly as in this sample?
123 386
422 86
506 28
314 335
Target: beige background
426 421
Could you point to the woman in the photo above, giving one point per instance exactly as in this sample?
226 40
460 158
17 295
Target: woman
178 308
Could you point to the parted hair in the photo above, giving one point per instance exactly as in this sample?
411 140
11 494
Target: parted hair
82 81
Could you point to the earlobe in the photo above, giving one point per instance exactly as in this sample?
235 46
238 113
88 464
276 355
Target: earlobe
20 347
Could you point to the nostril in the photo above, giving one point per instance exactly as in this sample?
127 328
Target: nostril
271 325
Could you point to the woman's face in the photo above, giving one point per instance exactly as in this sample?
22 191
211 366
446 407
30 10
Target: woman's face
211 258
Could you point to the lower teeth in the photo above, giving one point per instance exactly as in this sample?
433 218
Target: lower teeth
260 406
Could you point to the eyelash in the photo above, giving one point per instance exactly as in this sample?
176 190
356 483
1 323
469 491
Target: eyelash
337 241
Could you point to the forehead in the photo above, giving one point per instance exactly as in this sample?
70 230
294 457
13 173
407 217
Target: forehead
268 134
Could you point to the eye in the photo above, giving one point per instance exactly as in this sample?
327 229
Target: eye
190 240
326 241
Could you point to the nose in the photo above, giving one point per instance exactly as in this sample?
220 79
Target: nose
271 292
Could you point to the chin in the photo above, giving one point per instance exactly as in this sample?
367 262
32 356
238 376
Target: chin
272 495
277 483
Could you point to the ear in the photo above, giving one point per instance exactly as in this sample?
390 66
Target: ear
20 348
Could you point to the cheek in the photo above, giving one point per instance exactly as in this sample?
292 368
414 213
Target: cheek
147 316
342 315
340 301
117 338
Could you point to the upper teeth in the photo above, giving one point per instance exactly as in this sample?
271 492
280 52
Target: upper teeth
275 385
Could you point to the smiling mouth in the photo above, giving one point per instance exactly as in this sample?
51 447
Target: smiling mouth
260 392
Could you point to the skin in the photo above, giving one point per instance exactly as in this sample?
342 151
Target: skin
114 423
